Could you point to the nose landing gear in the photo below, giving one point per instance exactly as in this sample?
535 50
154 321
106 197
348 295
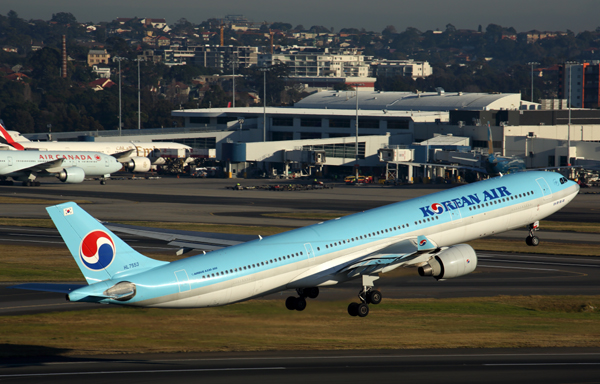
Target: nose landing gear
532 240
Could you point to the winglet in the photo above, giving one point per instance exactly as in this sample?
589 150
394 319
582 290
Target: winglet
7 139
424 244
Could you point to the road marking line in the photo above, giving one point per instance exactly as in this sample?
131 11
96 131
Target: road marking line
145 371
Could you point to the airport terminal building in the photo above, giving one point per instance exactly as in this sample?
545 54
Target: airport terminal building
324 126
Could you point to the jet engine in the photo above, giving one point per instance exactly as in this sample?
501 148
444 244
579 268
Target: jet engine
138 164
455 261
71 175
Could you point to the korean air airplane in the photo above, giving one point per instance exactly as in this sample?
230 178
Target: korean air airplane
427 232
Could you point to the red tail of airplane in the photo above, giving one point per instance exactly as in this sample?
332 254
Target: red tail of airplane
5 138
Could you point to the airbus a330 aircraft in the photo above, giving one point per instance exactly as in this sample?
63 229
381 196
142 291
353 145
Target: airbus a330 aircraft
425 232
136 157
69 167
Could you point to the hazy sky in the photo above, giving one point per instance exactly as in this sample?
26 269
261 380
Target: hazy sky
375 15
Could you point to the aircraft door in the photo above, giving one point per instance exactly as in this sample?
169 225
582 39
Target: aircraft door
544 187
182 280
10 161
455 215
309 251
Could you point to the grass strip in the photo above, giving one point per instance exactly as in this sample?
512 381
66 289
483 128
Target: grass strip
496 322
545 247
308 215
25 200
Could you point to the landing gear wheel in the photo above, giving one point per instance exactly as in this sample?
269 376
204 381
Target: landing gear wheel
534 241
375 297
290 303
102 182
528 240
353 309
312 293
362 309
300 304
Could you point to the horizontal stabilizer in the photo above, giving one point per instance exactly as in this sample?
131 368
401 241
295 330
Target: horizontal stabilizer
48 287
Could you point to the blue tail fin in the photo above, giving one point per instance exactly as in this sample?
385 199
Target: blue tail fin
99 253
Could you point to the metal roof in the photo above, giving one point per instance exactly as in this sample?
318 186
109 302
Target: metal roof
409 101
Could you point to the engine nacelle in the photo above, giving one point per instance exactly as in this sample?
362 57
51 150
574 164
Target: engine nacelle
138 164
71 175
453 262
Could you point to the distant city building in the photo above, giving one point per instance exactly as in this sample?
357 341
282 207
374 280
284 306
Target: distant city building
582 81
313 62
97 56
102 72
407 68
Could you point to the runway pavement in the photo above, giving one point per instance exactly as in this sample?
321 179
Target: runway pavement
209 200
369 366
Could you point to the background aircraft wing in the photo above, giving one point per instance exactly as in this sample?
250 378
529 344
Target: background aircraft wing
186 240
451 166
125 155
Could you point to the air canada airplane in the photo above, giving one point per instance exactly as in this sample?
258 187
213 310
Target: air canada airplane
425 232
136 157
69 167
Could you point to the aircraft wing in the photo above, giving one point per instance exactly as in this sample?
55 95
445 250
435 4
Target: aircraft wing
406 252
186 240
48 166
125 155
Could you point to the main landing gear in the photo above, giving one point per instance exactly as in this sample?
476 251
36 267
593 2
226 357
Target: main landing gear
532 240
367 296
299 303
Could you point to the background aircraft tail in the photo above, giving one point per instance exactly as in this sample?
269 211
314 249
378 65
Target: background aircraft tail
99 253
6 138
490 141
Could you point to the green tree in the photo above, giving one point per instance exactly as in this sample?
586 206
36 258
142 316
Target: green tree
64 18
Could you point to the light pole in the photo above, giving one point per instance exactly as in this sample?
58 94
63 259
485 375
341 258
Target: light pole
570 64
139 99
356 142
119 59
233 63
264 71
532 63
